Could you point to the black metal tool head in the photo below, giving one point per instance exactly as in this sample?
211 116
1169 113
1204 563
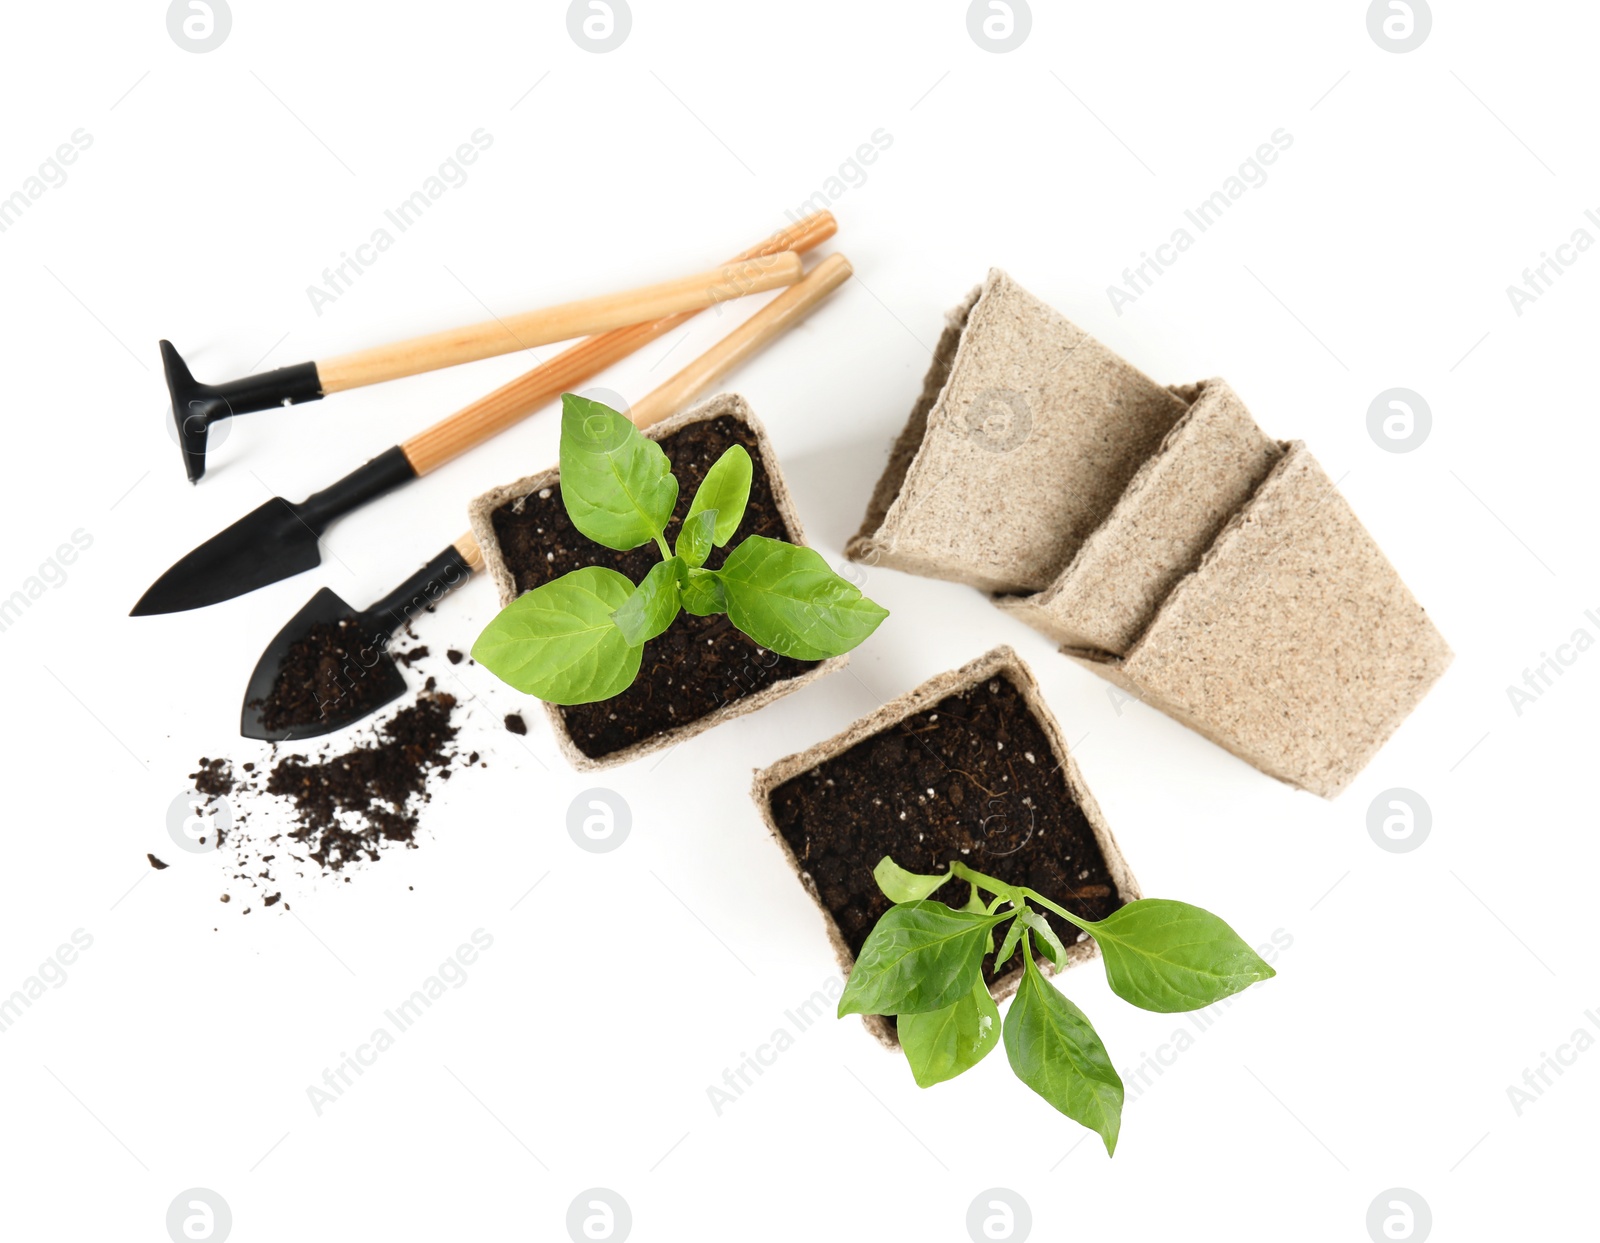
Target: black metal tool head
271 542
193 409
196 406
336 661
361 681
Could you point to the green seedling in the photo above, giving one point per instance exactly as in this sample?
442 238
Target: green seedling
581 637
923 963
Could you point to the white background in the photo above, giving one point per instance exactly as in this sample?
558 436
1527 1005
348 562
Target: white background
218 187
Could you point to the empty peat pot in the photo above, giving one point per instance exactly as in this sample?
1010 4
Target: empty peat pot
1294 643
1232 587
1160 536
1026 432
1203 473
970 767
702 671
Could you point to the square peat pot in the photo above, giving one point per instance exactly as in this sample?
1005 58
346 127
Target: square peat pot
1027 431
1293 642
1186 492
1232 587
702 671
1160 536
970 766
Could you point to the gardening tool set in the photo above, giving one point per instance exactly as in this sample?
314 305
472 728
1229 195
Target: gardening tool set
281 538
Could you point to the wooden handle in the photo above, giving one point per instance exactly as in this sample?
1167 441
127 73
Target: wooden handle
558 323
750 338
511 403
467 546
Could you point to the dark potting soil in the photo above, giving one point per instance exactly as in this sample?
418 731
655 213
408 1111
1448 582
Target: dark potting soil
515 724
971 779
327 671
348 805
700 663
214 778
350 800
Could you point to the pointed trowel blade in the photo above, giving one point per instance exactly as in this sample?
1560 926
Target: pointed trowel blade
382 682
269 543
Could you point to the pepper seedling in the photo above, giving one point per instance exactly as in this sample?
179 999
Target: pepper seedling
580 638
923 963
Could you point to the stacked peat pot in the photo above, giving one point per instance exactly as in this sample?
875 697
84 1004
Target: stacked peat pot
701 672
1160 536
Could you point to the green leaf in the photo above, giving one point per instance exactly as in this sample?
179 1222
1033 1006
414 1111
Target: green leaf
703 594
1008 946
1053 949
922 956
1169 956
617 484
694 538
789 601
947 1042
899 885
726 489
976 903
1053 1048
652 608
558 641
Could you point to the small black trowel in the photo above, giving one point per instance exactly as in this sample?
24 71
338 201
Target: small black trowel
371 668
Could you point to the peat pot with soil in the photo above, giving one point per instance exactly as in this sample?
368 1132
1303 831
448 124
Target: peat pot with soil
958 859
656 583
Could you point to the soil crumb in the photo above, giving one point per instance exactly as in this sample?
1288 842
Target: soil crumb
214 778
515 723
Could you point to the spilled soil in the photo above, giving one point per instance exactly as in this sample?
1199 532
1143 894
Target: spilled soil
351 798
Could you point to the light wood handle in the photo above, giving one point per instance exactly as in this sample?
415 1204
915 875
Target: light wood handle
750 338
558 323
467 546
511 403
